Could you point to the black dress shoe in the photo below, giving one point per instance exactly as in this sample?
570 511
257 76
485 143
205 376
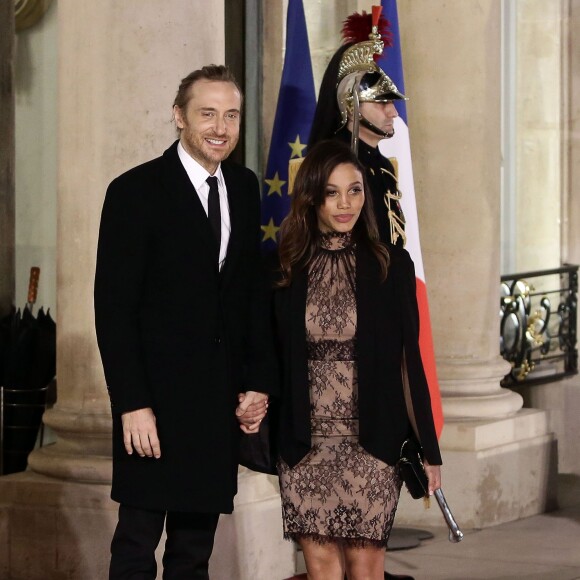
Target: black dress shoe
397 577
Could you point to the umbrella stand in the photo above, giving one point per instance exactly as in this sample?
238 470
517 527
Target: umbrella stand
20 421
28 368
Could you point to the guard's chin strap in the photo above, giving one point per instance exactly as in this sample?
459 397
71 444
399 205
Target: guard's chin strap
364 121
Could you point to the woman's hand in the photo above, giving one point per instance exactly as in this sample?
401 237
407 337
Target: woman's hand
251 410
433 475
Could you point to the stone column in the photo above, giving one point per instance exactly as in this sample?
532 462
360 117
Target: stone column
120 66
549 161
541 86
497 457
6 156
570 400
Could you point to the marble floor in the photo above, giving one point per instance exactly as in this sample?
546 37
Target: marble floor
543 547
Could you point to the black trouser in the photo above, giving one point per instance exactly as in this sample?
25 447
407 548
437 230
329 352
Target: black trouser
187 549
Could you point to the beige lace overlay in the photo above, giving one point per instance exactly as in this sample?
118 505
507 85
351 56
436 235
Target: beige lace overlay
338 492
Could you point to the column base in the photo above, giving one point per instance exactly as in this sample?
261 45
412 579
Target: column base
503 403
561 401
494 471
52 529
470 389
50 460
82 451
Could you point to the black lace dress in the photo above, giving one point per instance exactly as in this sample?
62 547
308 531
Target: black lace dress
338 492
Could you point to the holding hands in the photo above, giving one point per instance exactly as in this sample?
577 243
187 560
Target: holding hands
140 430
251 410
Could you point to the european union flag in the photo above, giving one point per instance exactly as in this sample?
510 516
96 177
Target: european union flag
294 114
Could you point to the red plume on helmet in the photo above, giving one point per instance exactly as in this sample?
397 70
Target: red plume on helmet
357 27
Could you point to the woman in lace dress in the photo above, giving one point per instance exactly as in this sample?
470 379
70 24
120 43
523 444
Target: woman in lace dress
345 312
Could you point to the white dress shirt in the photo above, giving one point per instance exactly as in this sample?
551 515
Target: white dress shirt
198 175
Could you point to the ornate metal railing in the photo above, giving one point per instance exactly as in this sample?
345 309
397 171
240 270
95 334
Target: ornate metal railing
538 313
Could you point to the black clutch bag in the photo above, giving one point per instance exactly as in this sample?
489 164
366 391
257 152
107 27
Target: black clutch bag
412 469
257 449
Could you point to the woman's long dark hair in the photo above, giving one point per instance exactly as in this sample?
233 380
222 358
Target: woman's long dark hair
299 231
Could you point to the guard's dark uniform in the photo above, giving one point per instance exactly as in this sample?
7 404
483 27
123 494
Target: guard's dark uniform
381 178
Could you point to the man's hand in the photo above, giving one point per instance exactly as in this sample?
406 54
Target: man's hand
140 432
433 475
251 410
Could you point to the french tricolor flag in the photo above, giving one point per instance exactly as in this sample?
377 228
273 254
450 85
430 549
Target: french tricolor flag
399 147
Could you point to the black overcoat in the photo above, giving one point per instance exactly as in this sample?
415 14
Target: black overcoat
387 327
177 335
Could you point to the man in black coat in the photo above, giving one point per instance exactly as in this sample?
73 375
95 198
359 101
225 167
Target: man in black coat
183 332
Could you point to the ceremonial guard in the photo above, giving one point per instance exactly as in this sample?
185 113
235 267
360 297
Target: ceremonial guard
355 105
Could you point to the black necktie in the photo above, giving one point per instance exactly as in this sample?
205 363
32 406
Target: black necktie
213 208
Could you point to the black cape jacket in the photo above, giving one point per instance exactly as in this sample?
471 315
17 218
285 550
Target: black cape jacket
387 327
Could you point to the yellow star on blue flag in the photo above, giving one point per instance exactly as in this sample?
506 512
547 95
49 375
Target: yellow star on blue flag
270 230
275 184
291 130
297 148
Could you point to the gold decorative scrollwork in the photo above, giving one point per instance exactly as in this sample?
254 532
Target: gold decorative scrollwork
538 327
525 369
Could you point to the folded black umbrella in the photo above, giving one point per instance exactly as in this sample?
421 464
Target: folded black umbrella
30 356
